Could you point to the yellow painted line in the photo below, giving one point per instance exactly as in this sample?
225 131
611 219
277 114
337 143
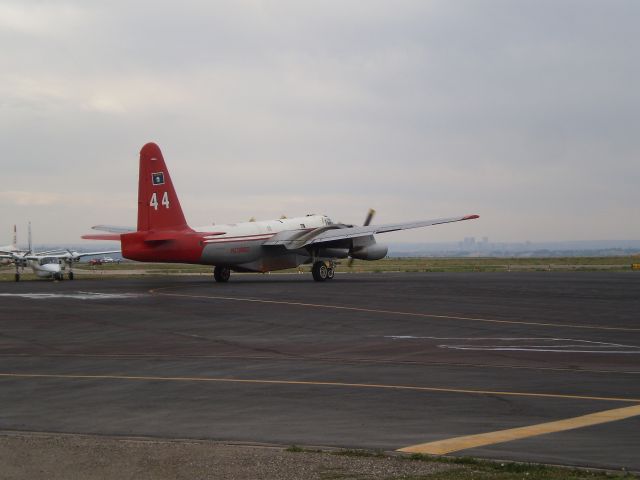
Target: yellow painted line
311 383
157 291
442 447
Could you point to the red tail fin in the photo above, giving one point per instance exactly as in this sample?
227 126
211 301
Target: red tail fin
158 205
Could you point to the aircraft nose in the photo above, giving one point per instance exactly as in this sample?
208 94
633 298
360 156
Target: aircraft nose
51 267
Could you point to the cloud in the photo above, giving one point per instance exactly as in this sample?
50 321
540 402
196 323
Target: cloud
26 198
39 199
517 111
39 18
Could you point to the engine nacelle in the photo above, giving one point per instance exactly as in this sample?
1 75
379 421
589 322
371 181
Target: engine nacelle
333 252
374 251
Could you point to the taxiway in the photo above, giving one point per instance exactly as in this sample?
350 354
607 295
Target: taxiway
434 363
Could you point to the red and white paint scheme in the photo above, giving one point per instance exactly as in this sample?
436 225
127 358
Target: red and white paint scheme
163 235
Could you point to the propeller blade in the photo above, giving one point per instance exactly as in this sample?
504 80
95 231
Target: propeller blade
366 223
370 215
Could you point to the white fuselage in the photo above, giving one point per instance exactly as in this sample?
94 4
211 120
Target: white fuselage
8 249
260 230
46 267
239 245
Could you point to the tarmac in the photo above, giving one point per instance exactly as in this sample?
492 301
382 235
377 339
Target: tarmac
539 367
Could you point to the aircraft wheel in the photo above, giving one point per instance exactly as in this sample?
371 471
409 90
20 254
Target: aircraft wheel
70 275
58 276
221 274
330 273
319 271
17 277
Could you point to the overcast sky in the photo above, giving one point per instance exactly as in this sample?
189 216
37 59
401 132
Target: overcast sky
524 112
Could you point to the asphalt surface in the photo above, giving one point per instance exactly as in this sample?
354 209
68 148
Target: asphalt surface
281 359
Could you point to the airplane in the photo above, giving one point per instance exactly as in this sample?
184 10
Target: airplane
10 248
48 264
163 235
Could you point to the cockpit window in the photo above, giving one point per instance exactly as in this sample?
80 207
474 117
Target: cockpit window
48 260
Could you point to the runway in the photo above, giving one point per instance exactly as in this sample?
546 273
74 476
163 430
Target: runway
539 367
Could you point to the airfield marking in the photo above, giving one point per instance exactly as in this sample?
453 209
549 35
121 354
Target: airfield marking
312 383
450 445
156 291
545 345
74 295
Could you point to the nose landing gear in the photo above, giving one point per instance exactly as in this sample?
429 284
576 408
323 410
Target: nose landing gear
70 267
17 275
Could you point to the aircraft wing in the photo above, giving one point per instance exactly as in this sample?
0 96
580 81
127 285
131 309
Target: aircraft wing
344 232
65 254
354 232
88 254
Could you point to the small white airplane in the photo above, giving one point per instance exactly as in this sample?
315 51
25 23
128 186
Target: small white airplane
10 248
162 234
49 264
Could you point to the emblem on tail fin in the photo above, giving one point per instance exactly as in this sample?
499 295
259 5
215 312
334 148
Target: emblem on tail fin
157 178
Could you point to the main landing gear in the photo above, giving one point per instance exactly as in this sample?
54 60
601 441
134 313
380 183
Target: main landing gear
322 271
69 265
221 274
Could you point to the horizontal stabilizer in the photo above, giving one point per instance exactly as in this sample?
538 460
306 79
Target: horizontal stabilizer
102 236
113 229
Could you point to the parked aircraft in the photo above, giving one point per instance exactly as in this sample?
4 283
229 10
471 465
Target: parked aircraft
8 250
49 264
162 234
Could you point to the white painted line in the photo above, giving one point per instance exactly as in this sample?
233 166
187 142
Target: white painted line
73 295
569 345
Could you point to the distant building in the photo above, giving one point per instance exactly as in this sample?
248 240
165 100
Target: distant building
469 243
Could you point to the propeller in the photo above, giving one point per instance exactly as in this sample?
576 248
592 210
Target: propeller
370 215
366 223
72 256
